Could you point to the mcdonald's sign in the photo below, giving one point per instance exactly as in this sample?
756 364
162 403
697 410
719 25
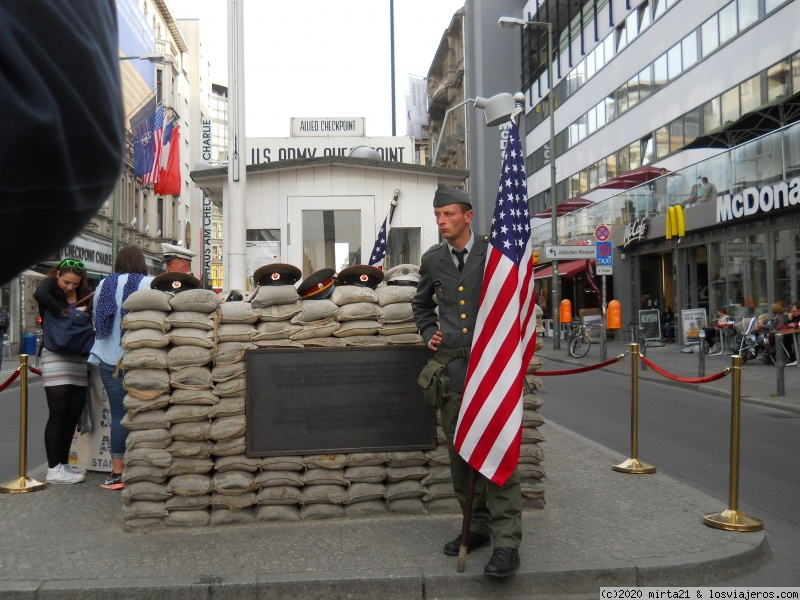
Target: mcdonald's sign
675 222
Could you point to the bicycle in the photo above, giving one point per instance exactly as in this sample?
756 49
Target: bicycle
638 337
579 342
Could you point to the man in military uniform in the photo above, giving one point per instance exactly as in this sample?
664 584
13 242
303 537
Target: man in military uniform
451 276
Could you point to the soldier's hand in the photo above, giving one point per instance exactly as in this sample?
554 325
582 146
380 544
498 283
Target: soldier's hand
435 341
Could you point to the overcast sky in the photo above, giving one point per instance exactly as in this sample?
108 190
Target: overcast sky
323 58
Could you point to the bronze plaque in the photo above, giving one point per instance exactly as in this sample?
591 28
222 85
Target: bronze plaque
328 400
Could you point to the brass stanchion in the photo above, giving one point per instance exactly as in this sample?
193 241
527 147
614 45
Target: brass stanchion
633 464
733 519
23 483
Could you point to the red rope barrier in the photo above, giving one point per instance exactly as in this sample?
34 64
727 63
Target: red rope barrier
34 370
10 380
668 375
580 369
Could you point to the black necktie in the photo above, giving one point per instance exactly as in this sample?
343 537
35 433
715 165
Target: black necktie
460 254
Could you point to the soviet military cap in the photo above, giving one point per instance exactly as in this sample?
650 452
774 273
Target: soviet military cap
360 275
277 274
173 281
447 194
318 285
406 274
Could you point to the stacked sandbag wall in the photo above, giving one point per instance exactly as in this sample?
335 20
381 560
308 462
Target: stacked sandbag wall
185 379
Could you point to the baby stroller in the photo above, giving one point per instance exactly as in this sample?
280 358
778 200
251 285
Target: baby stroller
746 339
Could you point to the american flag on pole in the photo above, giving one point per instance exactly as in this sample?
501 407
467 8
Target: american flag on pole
379 249
489 426
158 132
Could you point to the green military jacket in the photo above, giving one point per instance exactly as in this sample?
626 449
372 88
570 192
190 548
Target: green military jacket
457 296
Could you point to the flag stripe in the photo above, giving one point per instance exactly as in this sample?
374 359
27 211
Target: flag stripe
489 429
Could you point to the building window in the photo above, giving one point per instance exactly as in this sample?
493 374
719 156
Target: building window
709 36
770 5
660 72
727 23
662 142
712 114
689 50
748 13
750 94
674 65
645 83
778 80
730 105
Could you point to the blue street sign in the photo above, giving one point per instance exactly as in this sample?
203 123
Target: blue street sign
604 254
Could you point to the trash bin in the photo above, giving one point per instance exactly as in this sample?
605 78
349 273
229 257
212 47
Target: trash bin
29 344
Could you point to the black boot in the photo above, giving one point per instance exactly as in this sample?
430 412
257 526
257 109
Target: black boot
504 562
474 541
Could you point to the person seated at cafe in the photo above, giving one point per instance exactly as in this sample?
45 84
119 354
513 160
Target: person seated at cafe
709 193
780 323
722 321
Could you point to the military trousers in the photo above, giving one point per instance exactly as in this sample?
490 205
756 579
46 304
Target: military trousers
496 510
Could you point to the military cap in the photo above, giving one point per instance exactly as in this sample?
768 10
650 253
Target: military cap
172 251
173 281
406 274
277 274
447 194
360 275
318 285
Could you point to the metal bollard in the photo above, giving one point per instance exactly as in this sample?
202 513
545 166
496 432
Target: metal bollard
633 464
23 483
780 363
701 364
733 519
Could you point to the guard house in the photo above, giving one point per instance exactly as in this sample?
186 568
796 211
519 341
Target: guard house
326 211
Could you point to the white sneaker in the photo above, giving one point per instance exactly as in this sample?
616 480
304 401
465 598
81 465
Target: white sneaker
75 470
60 475
791 364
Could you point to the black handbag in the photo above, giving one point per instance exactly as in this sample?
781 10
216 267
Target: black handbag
71 332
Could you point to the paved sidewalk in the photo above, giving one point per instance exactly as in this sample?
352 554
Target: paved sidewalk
599 528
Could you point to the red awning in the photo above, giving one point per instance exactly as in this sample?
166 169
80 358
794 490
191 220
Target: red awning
564 208
631 179
568 268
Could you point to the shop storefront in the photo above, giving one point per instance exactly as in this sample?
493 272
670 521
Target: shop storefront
738 247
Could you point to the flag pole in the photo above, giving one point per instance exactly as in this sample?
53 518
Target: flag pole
462 549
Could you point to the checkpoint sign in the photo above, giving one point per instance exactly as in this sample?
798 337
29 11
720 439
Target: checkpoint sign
602 233
605 258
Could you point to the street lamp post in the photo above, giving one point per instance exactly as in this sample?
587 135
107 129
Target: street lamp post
555 293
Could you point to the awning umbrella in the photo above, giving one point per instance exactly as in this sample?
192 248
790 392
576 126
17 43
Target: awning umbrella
564 208
631 178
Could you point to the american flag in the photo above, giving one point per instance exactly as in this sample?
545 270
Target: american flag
489 426
158 132
379 249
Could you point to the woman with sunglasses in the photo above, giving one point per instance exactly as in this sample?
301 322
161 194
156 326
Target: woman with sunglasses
129 273
65 376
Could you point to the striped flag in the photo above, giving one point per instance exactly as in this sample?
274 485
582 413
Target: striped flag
158 132
489 426
379 249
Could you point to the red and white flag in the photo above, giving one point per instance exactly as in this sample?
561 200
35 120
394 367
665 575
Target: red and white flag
169 174
489 426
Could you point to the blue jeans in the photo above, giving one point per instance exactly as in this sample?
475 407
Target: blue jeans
116 394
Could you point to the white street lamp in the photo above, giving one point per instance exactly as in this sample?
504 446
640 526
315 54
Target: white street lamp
496 110
510 22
